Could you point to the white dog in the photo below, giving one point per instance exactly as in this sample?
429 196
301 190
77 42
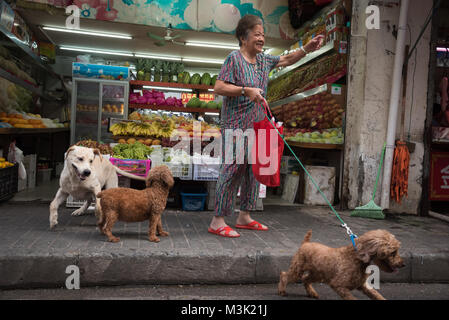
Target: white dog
84 174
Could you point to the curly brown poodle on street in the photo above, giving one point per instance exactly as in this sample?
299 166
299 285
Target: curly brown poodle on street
343 269
131 205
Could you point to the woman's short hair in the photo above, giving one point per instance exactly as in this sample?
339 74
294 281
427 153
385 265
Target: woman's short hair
246 23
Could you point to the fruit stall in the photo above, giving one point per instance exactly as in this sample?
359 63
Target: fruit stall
130 104
309 97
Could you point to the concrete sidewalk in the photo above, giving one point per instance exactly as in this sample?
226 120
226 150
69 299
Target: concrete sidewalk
32 255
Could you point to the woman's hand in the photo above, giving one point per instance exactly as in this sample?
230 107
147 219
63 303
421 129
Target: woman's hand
314 44
254 94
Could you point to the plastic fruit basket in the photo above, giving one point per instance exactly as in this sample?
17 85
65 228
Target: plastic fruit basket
193 201
8 182
136 167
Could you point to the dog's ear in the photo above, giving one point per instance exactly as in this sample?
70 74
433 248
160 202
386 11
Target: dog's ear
366 248
167 177
151 177
98 153
160 173
68 151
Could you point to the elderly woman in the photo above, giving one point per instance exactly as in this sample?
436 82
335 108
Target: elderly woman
243 81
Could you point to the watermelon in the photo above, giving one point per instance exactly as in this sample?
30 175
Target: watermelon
194 103
220 104
212 105
203 104
147 76
205 79
186 77
196 78
212 81
180 75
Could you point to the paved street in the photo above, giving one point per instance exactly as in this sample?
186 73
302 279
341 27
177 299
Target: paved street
33 256
391 291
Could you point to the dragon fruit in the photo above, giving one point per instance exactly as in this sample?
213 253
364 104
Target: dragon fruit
170 101
160 101
141 100
151 101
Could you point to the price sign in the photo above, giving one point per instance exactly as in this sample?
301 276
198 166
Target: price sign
185 97
207 97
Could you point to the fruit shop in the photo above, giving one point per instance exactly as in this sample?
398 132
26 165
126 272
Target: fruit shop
129 92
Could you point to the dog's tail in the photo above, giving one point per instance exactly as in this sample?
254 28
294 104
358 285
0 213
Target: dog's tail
129 175
307 237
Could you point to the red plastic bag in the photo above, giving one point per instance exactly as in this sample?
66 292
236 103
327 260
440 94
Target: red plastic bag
267 151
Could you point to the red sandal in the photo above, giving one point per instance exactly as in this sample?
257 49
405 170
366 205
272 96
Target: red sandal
226 229
252 226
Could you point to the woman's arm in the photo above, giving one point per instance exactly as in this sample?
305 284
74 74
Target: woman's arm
293 57
230 90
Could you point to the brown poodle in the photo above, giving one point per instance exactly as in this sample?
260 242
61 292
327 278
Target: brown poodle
132 205
343 269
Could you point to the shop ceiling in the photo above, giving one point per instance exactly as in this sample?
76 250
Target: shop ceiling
140 43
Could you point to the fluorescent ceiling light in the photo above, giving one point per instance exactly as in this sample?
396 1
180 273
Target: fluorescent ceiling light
212 45
168 89
149 56
440 49
211 114
203 60
89 33
115 53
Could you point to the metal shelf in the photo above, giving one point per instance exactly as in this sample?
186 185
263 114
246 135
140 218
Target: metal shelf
5 131
171 108
96 99
27 50
308 58
299 96
15 79
171 85
316 145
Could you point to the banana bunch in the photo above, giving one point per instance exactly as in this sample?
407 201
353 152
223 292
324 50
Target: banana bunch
166 128
142 129
119 129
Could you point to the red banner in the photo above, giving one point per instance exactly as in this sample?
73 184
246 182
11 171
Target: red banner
439 176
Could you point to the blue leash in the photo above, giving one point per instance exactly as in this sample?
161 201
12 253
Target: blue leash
352 236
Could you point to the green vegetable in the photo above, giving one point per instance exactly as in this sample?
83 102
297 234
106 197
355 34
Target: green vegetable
137 151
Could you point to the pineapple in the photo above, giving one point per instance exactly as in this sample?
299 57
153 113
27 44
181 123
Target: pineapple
179 70
140 66
148 66
166 71
157 71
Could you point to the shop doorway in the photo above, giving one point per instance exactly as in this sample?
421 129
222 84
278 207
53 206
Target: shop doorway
436 142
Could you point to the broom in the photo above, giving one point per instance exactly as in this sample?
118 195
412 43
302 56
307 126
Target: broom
401 157
371 210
